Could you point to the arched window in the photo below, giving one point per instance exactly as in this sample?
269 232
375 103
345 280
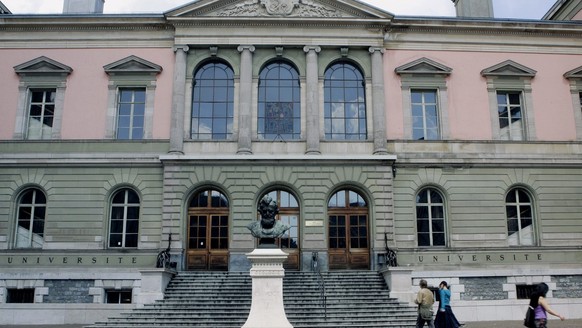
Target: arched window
345 103
289 215
348 230
31 218
213 102
124 225
518 206
430 218
279 104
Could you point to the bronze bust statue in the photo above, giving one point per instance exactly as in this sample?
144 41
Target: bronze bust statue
268 227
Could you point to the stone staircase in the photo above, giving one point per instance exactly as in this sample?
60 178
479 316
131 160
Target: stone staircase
223 299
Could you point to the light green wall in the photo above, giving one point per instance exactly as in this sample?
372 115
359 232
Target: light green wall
475 204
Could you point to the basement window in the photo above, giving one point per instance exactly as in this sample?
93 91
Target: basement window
25 295
122 296
524 292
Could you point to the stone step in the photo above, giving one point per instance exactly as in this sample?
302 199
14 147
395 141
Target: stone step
223 299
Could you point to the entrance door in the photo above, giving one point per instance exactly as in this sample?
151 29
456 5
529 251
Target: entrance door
348 231
208 231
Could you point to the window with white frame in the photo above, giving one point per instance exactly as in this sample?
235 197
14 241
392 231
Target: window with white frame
425 115
510 101
41 113
430 218
574 77
424 99
124 222
41 98
509 107
520 220
131 113
31 219
131 97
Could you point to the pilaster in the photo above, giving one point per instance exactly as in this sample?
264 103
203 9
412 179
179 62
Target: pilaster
245 99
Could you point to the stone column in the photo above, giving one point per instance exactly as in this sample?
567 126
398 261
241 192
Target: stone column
178 100
378 101
312 100
245 100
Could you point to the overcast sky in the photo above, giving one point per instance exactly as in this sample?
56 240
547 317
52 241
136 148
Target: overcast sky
528 9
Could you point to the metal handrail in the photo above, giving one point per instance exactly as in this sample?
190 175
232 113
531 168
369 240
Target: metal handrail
321 283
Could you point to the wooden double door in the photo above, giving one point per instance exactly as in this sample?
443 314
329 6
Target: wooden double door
208 232
348 235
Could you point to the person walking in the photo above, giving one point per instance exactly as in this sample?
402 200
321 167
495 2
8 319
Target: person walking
425 301
541 306
445 318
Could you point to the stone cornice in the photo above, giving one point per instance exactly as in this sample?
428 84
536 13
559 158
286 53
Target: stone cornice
83 23
485 27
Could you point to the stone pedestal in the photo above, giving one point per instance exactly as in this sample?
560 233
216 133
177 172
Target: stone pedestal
399 282
267 310
153 285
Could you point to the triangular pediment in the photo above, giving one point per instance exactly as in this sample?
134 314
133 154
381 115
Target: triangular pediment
576 73
509 68
423 66
3 9
42 65
132 64
280 9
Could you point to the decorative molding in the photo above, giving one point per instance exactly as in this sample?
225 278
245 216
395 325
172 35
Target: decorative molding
344 51
182 47
576 73
132 64
423 66
286 8
213 51
42 66
241 48
317 49
509 68
279 51
374 49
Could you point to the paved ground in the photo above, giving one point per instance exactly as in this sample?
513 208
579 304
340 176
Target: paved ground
490 324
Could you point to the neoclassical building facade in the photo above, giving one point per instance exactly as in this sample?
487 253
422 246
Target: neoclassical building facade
453 142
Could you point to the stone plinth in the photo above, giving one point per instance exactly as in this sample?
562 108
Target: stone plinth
267 310
153 285
399 281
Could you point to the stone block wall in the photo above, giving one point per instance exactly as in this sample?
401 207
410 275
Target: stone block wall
480 289
68 291
568 286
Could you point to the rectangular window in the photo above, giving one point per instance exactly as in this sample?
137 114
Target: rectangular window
41 113
425 116
122 296
510 110
131 113
524 292
25 295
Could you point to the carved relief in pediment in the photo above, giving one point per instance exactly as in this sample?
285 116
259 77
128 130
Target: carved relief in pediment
289 8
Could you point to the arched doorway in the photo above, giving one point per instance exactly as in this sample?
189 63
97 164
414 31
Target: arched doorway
208 233
348 231
289 215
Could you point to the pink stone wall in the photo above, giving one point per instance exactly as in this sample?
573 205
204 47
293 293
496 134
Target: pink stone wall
469 117
85 109
578 16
